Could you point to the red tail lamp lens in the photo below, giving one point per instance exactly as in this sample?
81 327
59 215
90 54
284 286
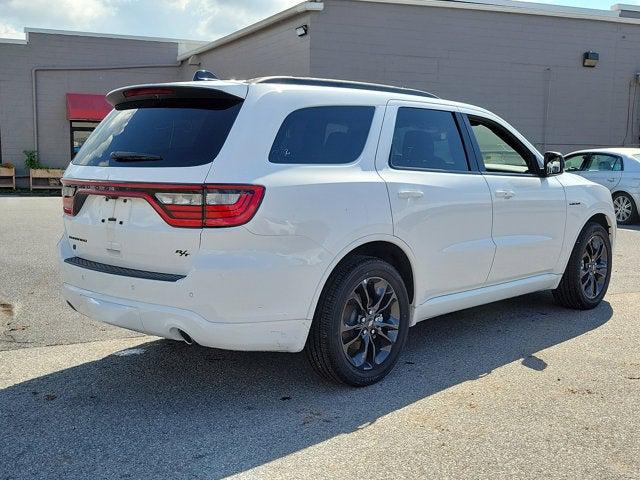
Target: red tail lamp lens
179 205
231 205
68 193
183 209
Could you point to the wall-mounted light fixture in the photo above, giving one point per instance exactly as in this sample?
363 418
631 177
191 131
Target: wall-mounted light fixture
302 30
590 59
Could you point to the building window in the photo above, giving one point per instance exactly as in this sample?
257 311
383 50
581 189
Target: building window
80 131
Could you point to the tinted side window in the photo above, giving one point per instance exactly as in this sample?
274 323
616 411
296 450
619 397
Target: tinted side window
322 135
427 139
575 163
501 151
604 163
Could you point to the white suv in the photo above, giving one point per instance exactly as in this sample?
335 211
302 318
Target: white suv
290 213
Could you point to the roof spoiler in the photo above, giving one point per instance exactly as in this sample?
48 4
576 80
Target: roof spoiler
167 93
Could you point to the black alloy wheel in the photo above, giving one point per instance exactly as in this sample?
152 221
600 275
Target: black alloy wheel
588 272
361 322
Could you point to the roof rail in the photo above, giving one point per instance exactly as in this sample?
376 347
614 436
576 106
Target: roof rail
322 82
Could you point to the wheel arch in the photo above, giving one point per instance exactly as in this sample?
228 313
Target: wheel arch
601 219
619 190
599 214
386 247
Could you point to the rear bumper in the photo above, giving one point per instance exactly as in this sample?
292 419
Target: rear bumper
249 296
163 321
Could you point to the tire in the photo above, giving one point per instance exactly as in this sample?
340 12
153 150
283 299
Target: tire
585 269
346 340
625 208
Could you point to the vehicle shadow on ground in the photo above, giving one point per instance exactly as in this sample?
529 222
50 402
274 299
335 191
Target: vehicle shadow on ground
176 411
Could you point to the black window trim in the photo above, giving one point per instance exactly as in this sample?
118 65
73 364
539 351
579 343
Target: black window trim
458 119
478 154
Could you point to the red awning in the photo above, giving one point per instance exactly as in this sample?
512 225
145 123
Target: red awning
84 106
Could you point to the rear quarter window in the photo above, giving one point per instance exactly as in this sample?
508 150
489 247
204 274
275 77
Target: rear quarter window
181 135
322 135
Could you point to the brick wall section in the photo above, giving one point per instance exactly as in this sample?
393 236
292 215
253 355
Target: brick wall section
16 62
512 64
275 50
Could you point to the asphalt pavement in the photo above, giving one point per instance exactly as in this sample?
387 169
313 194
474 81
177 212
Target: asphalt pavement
516 389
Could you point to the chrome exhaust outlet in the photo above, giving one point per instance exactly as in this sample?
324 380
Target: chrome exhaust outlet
185 336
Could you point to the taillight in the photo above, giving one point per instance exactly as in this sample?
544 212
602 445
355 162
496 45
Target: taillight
231 205
180 209
68 193
179 205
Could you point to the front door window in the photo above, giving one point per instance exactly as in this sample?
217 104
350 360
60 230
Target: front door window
501 152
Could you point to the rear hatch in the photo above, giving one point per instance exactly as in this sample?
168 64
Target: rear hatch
134 195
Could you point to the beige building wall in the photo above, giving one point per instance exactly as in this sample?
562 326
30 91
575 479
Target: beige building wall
17 61
275 50
526 68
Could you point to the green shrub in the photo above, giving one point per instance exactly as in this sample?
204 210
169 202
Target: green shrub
31 160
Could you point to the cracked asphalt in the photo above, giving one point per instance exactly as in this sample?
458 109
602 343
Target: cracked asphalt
520 388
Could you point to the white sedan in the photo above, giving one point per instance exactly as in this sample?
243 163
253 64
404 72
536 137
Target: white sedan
618 169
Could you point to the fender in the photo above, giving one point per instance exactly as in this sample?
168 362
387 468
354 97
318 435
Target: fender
572 233
348 249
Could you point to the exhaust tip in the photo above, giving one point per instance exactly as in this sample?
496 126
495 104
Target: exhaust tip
185 336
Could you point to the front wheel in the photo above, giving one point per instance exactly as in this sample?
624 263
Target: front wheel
586 278
361 323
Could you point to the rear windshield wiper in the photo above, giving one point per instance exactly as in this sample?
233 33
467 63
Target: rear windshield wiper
134 157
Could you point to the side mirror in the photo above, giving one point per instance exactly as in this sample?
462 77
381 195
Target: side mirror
553 163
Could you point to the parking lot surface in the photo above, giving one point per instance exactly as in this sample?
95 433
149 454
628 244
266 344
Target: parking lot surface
520 388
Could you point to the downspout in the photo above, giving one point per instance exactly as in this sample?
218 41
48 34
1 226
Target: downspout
547 107
34 88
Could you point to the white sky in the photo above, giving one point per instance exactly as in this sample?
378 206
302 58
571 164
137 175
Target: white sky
189 19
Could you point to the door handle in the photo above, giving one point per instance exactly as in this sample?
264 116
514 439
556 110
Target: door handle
410 194
505 193
611 179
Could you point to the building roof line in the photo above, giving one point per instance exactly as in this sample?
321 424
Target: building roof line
28 30
19 41
625 6
309 6
505 6
525 8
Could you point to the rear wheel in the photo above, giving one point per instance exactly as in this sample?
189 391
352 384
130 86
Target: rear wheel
625 209
361 323
586 278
